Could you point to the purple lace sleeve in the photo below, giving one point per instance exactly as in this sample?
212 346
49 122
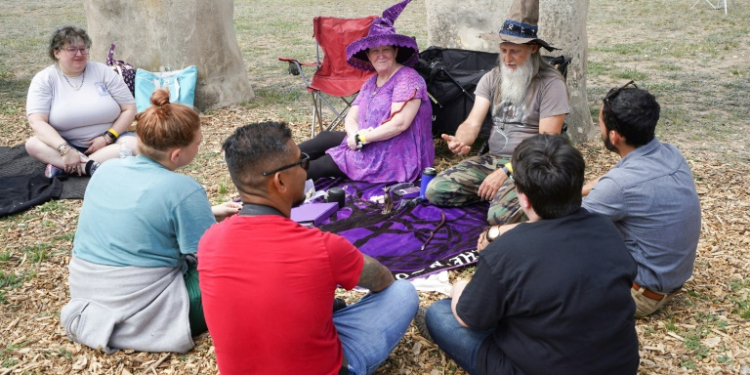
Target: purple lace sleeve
408 81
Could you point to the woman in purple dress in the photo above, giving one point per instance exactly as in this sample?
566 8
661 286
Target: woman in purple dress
388 134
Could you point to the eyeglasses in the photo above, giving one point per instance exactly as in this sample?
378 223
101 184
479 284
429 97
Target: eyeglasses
72 51
611 96
303 162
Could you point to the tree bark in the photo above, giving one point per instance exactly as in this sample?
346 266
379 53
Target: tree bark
562 23
175 34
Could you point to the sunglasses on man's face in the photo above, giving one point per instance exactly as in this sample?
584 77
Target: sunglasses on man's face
611 96
303 162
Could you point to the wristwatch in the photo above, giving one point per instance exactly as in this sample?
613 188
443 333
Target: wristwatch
493 233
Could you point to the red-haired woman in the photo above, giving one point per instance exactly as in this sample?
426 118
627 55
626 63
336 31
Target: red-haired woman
133 280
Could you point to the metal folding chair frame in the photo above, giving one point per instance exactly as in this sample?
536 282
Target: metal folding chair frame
295 68
716 7
333 77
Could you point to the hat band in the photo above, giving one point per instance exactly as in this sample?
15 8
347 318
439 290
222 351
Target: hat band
518 29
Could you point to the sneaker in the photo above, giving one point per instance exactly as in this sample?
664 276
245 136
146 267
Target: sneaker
421 323
91 167
51 171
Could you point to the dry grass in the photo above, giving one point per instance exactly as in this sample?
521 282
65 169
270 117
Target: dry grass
695 61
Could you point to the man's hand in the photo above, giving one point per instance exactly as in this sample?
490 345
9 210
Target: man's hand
455 145
491 184
482 240
587 188
225 210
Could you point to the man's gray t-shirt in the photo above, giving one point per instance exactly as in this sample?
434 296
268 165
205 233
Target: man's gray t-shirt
547 96
79 116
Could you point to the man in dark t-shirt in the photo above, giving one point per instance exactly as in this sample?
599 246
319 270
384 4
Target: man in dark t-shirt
548 296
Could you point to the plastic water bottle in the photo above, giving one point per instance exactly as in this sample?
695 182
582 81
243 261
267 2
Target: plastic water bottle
125 150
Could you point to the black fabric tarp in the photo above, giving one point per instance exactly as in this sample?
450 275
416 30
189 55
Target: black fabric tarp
23 185
18 193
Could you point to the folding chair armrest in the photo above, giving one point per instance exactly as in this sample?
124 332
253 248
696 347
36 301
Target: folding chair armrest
295 68
298 62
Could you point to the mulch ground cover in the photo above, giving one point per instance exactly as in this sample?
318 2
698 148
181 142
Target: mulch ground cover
704 329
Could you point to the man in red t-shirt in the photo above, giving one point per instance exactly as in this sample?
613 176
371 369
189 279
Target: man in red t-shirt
268 283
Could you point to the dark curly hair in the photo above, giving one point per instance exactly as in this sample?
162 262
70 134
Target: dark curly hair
633 113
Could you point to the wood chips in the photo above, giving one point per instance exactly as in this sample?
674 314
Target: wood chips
703 330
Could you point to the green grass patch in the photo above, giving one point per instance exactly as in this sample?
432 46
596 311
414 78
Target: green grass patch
38 252
742 309
9 280
597 69
630 74
52 206
67 237
668 67
671 324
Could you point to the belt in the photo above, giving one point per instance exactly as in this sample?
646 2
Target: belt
649 294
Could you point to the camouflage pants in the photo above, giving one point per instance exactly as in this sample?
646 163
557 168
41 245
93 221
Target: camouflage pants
458 186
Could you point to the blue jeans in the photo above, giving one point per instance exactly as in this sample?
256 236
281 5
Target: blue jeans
372 327
460 343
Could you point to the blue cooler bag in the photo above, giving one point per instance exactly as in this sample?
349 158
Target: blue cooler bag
181 85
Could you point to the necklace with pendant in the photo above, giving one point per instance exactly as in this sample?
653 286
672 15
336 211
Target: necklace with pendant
83 78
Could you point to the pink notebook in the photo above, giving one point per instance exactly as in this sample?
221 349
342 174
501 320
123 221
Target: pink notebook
312 214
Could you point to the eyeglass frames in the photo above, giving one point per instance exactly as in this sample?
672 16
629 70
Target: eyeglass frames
72 51
611 96
303 162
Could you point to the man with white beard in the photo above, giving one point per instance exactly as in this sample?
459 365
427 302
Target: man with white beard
526 96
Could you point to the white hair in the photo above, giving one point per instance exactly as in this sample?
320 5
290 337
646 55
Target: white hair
515 82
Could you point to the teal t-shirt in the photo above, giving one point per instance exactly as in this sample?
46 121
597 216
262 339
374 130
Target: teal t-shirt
138 213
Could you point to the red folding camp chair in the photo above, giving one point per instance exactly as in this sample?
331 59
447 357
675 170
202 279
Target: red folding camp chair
333 77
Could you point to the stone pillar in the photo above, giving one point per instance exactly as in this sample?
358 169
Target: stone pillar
562 23
175 34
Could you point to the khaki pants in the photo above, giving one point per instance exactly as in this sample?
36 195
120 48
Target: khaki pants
645 306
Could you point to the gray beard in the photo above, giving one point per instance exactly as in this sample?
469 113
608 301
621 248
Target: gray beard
515 82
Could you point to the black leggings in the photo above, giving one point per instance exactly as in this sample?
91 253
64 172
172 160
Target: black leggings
322 164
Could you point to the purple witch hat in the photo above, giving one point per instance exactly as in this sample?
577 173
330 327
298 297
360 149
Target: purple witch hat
382 33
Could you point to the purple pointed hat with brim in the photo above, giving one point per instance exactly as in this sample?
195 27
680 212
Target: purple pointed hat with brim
382 33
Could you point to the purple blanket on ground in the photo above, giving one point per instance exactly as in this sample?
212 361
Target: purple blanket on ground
413 241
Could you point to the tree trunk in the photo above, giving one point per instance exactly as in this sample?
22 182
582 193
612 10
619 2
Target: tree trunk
562 23
175 34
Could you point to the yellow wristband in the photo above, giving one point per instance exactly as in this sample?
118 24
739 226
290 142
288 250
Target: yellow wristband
362 138
510 167
114 133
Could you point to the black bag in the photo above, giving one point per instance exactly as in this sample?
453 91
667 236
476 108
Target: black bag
452 76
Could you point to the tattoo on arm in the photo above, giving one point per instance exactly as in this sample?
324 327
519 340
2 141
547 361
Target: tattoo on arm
375 276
